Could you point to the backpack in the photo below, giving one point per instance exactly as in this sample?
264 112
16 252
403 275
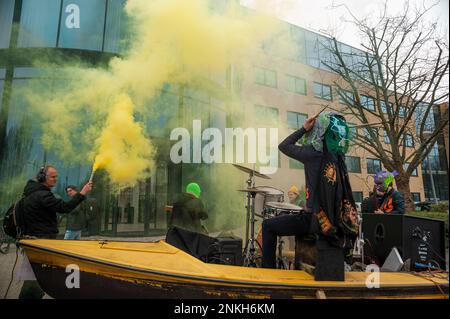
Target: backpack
13 220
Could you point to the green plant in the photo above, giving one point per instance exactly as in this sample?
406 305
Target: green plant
440 207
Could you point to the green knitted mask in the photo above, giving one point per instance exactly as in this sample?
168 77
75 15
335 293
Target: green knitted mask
194 189
337 135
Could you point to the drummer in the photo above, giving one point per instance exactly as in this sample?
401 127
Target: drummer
297 197
325 144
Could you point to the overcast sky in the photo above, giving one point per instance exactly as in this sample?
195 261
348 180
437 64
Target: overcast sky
318 15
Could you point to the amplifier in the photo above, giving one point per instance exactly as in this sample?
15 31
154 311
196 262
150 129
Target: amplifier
422 240
227 251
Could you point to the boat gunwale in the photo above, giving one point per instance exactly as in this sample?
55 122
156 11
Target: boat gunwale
231 281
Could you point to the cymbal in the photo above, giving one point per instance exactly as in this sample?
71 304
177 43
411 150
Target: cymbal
249 170
252 190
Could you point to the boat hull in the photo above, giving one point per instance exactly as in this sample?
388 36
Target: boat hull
98 279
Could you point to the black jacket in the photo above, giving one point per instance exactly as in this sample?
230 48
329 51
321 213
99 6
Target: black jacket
187 213
40 207
373 202
77 219
309 157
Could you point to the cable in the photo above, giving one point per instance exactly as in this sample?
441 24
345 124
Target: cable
12 273
432 249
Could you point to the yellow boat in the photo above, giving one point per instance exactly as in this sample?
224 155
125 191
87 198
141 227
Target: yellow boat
109 269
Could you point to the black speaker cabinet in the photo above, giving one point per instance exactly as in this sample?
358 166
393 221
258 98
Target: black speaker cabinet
420 239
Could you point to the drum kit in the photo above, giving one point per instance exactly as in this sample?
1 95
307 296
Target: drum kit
263 202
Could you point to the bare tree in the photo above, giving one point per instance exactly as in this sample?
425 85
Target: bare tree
397 80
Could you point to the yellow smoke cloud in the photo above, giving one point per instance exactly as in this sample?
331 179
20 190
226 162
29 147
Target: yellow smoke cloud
122 148
91 116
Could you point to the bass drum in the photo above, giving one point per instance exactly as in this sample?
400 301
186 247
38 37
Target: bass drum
272 195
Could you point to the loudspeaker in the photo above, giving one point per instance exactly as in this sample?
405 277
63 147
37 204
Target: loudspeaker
420 239
225 250
228 251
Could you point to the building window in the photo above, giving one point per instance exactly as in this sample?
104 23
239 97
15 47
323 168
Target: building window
2 84
408 140
383 107
117 22
367 102
367 133
386 138
265 77
353 164
39 23
415 197
346 97
295 120
373 166
295 84
266 115
414 172
353 130
6 19
82 24
322 91
402 111
358 196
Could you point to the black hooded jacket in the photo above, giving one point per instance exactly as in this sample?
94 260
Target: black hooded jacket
187 213
40 207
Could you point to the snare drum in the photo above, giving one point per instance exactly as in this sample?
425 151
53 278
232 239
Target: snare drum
272 195
273 209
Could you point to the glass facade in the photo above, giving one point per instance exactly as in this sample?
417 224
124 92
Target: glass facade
39 23
434 168
99 25
133 211
6 18
82 24
116 27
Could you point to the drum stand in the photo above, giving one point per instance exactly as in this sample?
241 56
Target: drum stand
358 250
281 263
249 256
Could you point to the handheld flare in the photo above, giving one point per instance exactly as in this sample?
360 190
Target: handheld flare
92 176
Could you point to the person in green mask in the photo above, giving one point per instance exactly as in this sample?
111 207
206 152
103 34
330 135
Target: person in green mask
188 210
330 210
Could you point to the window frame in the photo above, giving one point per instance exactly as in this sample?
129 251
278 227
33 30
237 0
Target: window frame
265 71
295 79
366 106
322 85
359 164
373 161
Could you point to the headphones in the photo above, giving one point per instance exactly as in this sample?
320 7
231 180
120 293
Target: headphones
42 174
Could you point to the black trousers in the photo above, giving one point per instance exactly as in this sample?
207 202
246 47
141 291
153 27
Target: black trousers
284 225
